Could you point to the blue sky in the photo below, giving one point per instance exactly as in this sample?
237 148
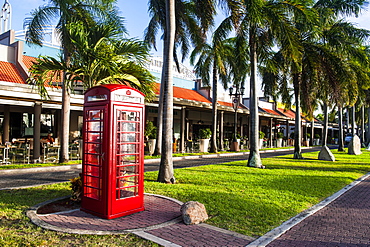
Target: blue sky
135 13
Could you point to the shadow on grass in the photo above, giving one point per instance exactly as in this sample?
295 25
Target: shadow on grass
25 198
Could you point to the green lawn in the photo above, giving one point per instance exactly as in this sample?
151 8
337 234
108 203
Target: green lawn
246 200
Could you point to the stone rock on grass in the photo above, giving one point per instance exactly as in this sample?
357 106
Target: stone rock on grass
326 154
354 146
193 213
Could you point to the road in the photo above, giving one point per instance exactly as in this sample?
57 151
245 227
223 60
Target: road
23 178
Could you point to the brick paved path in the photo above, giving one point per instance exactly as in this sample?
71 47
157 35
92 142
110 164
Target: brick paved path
160 223
158 210
344 222
200 235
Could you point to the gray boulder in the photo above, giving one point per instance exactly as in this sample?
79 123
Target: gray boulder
354 147
326 154
193 213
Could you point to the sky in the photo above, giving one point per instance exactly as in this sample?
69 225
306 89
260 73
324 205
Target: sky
135 13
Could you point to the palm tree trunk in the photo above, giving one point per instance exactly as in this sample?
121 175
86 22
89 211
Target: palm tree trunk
254 159
325 133
66 110
214 111
298 124
340 136
166 174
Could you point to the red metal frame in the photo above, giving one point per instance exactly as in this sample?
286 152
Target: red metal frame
113 151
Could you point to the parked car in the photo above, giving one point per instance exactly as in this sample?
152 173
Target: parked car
348 138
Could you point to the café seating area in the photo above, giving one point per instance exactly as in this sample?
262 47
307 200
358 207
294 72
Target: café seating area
20 151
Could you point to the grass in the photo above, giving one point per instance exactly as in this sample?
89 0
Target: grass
17 230
253 201
246 200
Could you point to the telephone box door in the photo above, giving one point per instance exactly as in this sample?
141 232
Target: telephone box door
128 173
94 156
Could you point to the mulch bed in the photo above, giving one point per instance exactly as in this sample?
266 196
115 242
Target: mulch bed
58 206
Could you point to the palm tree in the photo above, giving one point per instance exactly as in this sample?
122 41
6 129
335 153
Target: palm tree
186 31
187 27
214 59
264 23
65 12
166 174
101 56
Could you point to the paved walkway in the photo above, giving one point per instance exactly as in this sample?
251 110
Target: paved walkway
340 220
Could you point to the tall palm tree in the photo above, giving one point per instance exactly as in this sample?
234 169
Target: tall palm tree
65 12
166 174
264 23
213 61
101 56
187 31
186 25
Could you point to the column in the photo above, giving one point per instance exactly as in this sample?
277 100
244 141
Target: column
183 137
6 123
37 131
270 138
221 131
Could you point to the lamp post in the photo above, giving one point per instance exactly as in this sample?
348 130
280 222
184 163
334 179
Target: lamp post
236 101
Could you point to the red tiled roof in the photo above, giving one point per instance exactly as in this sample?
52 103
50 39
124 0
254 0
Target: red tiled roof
9 73
225 103
28 61
290 114
287 113
271 111
183 93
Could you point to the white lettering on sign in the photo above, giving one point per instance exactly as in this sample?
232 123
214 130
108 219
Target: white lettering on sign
125 98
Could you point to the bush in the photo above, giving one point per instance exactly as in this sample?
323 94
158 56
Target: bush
205 133
150 130
262 135
317 136
76 186
280 135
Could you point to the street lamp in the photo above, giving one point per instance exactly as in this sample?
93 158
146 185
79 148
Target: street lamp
236 101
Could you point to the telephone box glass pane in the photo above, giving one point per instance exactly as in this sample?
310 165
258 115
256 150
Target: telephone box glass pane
127 192
93 153
127 150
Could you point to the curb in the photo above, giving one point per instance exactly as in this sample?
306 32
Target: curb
287 225
43 168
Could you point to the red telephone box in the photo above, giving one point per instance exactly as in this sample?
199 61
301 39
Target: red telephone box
113 151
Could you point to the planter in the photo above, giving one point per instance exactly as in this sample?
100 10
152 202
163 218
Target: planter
234 146
203 145
316 142
151 144
261 143
279 142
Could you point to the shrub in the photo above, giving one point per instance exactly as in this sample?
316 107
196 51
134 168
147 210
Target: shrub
150 130
205 133
317 136
262 135
76 186
280 135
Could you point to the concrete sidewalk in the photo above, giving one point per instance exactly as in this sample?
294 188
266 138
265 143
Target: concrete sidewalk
342 219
